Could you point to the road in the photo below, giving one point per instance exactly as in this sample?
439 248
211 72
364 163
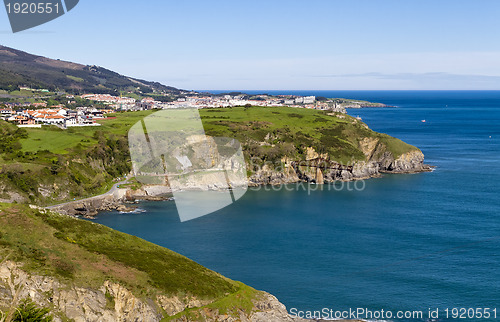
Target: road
108 193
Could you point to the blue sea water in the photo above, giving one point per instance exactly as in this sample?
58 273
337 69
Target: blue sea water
406 242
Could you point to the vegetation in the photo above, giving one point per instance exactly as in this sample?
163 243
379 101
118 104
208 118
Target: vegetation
49 165
85 254
289 131
27 311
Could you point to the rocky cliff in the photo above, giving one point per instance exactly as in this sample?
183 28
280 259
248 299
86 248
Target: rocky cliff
113 302
314 168
320 169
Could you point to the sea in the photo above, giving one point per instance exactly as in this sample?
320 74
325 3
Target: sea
397 244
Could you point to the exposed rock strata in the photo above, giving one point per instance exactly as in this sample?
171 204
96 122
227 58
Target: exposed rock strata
319 169
113 302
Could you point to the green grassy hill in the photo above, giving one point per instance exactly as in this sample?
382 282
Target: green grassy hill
83 254
288 131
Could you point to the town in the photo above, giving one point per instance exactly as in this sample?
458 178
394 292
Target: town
36 114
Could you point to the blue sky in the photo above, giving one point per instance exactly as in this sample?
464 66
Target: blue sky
274 44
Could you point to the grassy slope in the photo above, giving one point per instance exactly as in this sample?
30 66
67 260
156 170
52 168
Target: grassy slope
86 254
69 163
300 127
62 141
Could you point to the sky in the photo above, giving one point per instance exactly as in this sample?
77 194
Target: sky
280 45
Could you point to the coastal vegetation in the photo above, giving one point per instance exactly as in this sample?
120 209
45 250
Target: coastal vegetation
83 254
51 165
271 133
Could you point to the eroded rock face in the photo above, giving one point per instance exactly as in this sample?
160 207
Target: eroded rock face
409 162
274 175
368 146
271 310
317 168
77 303
267 309
129 308
113 302
11 196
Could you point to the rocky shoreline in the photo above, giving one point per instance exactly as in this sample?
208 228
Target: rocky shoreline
316 169
123 200
319 169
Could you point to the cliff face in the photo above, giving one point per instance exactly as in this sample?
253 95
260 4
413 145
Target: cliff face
319 169
113 302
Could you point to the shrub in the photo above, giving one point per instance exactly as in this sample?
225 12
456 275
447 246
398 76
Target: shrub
27 311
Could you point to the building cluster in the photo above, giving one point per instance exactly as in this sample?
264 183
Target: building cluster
61 117
205 101
125 103
114 102
200 100
106 98
37 114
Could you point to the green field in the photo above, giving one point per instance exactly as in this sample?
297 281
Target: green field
54 140
62 141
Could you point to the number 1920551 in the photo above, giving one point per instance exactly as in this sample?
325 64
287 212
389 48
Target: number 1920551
33 8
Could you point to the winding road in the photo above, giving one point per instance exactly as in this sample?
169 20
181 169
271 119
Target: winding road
110 192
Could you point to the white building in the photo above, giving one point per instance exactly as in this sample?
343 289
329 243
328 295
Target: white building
309 99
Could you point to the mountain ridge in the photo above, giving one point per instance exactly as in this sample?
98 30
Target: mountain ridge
19 68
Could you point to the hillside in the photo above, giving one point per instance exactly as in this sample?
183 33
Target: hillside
286 145
271 133
18 68
79 269
51 165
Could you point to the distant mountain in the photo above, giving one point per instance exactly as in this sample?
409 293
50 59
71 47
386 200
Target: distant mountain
18 68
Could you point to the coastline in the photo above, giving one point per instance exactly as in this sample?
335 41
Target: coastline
124 199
